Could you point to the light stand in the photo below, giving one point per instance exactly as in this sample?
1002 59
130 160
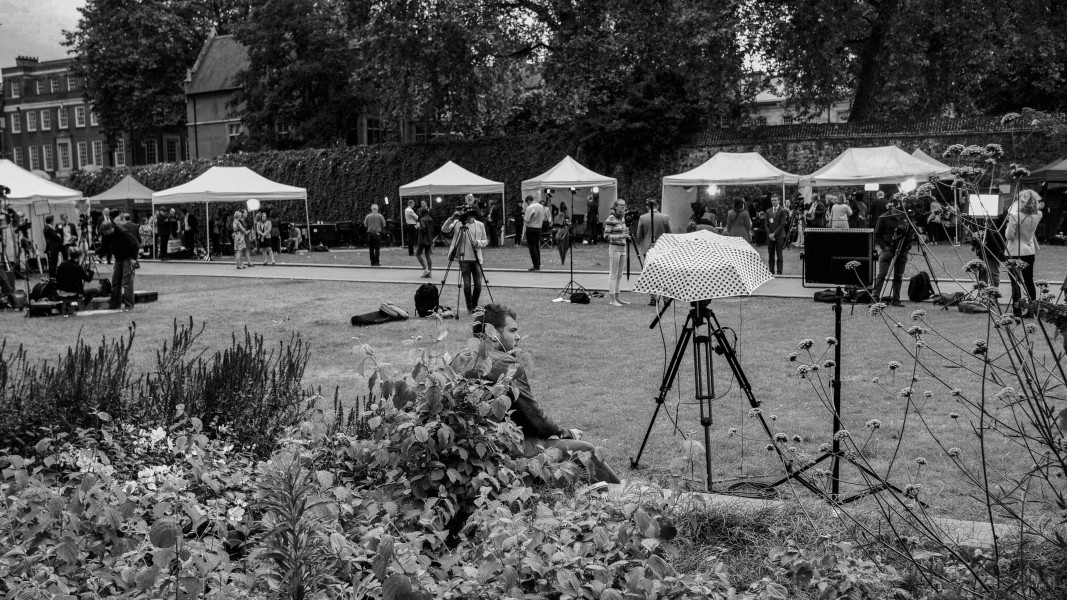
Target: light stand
701 316
835 454
572 287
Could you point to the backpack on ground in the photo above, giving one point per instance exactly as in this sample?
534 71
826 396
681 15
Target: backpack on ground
829 296
426 299
920 288
45 290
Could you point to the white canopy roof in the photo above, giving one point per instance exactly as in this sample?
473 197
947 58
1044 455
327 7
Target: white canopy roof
127 189
451 179
567 173
944 171
733 168
857 166
228 184
27 187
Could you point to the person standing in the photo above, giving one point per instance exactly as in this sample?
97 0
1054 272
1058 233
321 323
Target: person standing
146 233
777 224
411 218
650 226
375 224
53 245
424 241
468 239
1020 242
738 222
263 231
492 223
617 236
189 226
592 218
839 212
893 235
878 207
533 218
124 247
816 215
69 232
240 240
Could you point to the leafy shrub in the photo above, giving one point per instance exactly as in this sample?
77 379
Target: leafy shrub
836 572
43 399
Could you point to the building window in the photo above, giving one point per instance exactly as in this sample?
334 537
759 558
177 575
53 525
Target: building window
120 152
35 158
375 132
49 159
64 156
98 153
92 118
83 154
151 152
171 150
61 117
53 84
72 83
46 120
31 121
17 155
421 132
79 116
40 86
14 89
16 122
233 131
787 120
842 116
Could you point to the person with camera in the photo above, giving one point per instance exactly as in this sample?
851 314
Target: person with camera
497 325
893 234
468 239
71 278
124 247
617 234
53 244
533 218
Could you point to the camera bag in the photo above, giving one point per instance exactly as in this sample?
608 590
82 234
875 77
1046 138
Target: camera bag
426 299
919 287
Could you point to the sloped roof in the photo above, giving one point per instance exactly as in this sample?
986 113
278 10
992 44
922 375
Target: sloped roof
568 172
857 166
451 179
1055 171
216 68
228 184
733 168
27 187
127 189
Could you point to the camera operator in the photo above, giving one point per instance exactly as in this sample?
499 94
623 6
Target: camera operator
53 244
71 277
893 234
467 242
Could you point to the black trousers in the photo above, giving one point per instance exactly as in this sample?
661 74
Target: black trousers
492 231
774 251
533 242
410 233
374 244
472 282
122 284
1025 277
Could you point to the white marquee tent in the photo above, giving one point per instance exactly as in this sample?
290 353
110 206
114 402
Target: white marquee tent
857 166
724 168
37 198
451 178
230 184
944 171
569 173
122 194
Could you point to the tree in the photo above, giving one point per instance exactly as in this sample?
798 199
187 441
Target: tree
133 57
299 88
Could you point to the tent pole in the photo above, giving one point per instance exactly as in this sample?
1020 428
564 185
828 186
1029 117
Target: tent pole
207 221
307 215
502 235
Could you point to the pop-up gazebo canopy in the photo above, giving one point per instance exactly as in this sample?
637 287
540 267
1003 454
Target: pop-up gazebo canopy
123 194
230 184
858 166
944 171
569 173
36 197
725 168
449 179
1054 172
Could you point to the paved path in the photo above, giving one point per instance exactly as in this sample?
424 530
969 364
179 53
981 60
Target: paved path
781 287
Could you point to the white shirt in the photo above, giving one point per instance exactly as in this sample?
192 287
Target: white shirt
410 216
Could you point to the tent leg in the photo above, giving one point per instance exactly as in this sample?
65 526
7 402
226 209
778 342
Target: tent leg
307 216
207 220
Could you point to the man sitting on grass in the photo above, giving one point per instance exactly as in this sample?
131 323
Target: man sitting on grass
496 324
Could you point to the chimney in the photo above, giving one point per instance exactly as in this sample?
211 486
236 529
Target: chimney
25 61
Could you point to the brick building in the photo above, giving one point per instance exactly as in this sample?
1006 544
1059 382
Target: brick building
49 126
209 88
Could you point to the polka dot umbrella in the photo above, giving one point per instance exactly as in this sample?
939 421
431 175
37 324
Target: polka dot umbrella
701 265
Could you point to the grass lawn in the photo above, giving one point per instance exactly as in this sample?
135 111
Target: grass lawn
945 260
599 369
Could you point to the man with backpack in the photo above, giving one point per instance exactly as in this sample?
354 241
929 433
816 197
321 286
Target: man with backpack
893 234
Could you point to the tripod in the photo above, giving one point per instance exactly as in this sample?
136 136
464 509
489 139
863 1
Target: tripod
835 454
464 231
911 233
572 286
702 317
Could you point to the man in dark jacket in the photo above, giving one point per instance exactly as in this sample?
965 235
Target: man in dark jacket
496 324
53 245
124 246
71 277
777 224
894 237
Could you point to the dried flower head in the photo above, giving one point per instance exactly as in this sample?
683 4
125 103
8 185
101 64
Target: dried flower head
830 341
828 364
953 452
797 439
842 435
792 357
954 415
904 392
894 365
852 265
920 461
781 438
806 344
873 424
770 447
917 315
912 490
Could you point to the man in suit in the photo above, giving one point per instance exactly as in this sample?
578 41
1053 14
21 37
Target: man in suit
69 232
650 226
492 223
777 226
53 245
189 224
878 208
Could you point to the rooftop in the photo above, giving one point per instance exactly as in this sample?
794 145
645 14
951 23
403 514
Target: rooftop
221 58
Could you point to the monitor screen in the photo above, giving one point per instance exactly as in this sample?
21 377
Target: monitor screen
984 205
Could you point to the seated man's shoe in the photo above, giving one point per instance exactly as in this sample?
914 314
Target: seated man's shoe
896 303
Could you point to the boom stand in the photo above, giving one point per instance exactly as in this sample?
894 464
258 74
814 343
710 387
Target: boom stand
572 286
459 276
701 316
835 454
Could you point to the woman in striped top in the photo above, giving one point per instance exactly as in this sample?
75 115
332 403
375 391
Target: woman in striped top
617 235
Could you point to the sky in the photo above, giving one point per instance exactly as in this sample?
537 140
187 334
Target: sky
35 28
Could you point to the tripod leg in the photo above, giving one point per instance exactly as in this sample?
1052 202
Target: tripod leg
665 385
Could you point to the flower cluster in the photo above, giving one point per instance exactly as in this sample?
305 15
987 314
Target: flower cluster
912 491
877 308
806 344
852 265
954 452
953 150
1017 171
994 151
842 435
894 365
975 266
873 424
917 315
920 461
792 357
831 341
161 477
